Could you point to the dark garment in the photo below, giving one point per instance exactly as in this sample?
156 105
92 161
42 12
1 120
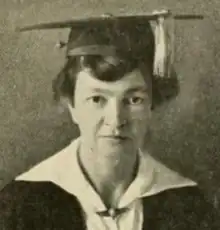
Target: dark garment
45 206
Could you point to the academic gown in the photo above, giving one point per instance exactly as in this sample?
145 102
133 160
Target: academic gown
44 198
45 206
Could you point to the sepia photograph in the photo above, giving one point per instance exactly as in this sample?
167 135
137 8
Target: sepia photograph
110 115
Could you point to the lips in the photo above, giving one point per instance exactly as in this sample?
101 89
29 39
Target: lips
114 137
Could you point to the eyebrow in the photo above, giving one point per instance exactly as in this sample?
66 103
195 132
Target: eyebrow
137 89
134 89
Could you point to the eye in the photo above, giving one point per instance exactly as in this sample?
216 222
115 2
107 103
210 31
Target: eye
99 100
96 99
135 100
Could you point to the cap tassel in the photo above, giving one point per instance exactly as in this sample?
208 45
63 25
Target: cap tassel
160 49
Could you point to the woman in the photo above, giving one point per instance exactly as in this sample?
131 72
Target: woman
105 179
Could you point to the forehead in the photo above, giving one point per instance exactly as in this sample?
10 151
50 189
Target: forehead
86 83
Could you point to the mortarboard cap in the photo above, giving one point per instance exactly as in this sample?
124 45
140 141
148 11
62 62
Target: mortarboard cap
135 35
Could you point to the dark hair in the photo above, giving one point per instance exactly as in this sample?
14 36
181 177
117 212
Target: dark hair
109 68
105 68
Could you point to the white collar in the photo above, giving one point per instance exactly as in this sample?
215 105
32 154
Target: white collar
63 169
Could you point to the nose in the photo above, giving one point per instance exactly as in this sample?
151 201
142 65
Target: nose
115 115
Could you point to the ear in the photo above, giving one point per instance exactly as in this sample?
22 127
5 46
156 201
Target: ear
73 113
66 103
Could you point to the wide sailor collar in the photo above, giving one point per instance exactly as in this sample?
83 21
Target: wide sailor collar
63 170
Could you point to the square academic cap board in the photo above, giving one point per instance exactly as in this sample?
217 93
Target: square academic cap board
150 34
131 34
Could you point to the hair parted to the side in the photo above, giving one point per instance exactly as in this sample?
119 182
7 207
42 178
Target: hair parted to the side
104 68
109 68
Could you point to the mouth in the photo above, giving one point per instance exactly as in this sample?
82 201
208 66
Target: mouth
116 138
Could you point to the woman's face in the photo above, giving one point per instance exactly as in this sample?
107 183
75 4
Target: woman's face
112 116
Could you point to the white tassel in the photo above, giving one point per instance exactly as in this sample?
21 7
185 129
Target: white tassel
160 48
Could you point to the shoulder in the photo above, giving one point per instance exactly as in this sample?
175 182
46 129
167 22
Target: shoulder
189 198
27 192
35 203
47 169
187 206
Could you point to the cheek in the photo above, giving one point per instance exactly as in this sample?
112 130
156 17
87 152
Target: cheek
140 122
88 122
139 126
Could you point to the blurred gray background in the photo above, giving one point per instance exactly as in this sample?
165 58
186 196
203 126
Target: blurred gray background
185 132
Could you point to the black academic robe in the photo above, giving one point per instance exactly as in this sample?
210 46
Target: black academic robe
45 206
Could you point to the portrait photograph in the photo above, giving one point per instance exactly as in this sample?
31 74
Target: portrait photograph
110 115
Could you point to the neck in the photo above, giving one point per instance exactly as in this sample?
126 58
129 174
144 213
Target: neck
109 175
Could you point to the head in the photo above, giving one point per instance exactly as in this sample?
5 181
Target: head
110 92
108 85
109 98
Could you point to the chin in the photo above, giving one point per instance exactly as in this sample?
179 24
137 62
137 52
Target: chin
114 147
